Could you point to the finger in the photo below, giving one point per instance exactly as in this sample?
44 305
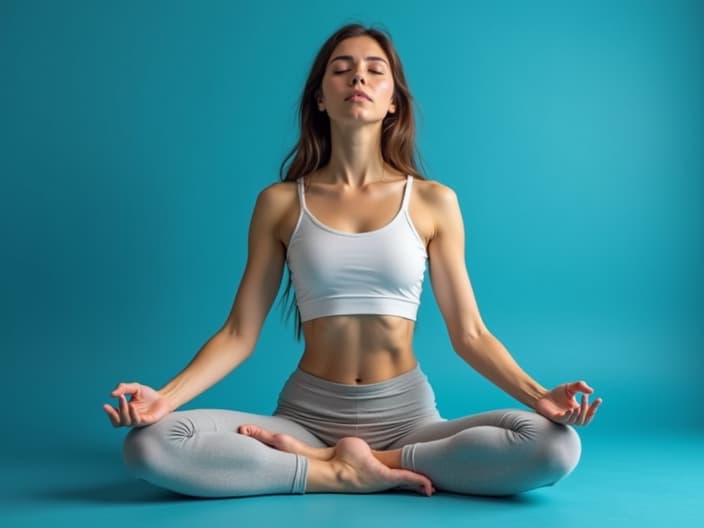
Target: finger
583 409
564 417
125 388
592 414
134 415
597 403
594 407
570 391
124 411
570 417
589 419
574 416
578 386
112 414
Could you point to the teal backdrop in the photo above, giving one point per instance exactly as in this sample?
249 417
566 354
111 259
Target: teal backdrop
136 136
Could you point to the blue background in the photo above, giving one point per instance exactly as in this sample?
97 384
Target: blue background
135 137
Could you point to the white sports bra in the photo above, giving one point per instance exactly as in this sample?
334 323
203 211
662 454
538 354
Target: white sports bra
374 272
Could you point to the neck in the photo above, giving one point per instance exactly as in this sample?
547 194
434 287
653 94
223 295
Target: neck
355 155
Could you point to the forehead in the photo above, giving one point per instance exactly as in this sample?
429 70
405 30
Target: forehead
359 48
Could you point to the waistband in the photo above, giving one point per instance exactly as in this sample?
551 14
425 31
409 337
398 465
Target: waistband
390 387
380 413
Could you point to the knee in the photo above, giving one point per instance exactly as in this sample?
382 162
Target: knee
560 451
145 448
556 447
140 448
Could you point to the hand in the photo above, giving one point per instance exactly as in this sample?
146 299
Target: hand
559 405
145 407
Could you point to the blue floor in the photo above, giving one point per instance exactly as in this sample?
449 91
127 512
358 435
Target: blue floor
654 480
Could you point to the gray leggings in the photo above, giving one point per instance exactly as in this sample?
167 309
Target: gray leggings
504 452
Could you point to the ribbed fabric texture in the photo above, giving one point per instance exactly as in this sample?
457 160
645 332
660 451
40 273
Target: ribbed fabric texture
300 476
375 272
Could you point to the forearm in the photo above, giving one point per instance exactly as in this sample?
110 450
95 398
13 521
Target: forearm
489 357
217 357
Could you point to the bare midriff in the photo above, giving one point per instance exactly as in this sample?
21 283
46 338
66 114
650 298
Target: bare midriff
358 349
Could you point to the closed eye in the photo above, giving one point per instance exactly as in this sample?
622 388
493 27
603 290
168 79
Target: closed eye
373 71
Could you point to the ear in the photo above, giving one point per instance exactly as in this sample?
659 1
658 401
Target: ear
319 100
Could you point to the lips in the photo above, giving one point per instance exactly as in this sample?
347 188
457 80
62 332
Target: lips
360 94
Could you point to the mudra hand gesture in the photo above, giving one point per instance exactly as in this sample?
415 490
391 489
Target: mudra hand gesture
145 407
560 405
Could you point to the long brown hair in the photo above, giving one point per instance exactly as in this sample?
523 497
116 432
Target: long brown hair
312 151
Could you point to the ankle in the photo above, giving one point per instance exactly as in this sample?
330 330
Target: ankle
327 476
391 459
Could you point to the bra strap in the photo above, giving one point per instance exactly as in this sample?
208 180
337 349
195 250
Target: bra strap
301 194
407 192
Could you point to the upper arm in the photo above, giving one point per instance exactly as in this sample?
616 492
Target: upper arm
448 272
262 275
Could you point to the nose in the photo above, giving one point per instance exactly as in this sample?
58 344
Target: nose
357 78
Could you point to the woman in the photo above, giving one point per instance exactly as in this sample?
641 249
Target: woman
356 224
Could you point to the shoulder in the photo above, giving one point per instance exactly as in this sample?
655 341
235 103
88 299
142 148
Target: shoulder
439 199
441 207
277 193
435 194
275 200
276 207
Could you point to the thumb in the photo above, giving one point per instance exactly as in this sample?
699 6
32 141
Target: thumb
125 388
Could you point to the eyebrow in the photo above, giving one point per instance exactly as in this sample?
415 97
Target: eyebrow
350 57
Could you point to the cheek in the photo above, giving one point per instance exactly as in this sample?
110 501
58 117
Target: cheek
385 86
333 84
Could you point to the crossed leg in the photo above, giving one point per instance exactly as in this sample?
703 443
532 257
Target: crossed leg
356 467
205 453
500 452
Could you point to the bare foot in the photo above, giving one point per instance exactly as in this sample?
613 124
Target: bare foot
284 442
349 467
358 471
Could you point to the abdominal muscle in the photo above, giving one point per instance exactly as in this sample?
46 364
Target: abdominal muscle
358 349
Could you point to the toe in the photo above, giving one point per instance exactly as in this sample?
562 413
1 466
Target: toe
249 430
278 441
258 433
415 481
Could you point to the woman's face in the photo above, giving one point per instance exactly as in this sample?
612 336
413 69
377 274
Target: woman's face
357 63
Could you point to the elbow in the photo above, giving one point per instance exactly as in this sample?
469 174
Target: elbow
241 343
468 339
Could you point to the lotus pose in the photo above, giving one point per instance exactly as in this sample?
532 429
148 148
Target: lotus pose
357 226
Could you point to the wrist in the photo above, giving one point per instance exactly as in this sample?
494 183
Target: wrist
168 397
534 393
